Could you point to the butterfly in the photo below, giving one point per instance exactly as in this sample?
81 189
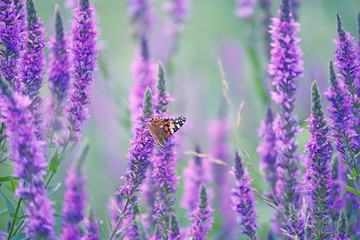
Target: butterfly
161 128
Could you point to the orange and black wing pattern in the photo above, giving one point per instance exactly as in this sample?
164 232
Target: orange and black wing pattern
161 128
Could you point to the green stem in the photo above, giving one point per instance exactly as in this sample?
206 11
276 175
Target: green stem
14 218
120 218
17 229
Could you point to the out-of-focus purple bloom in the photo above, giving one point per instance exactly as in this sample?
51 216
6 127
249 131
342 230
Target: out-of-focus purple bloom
74 203
10 40
84 37
196 173
294 224
91 226
295 5
140 152
266 20
201 217
29 162
141 13
219 130
244 9
243 201
318 160
32 64
164 173
284 67
144 73
338 186
59 75
178 11
267 149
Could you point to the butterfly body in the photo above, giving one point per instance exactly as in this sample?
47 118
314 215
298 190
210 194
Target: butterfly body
161 128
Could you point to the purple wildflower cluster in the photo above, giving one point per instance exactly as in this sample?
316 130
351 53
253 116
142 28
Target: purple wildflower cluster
243 201
84 37
10 39
244 9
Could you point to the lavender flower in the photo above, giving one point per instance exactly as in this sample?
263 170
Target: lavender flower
144 74
294 224
75 199
59 75
285 66
349 67
32 64
267 149
164 175
84 35
219 130
9 40
92 232
29 162
201 217
319 170
244 9
243 201
342 231
195 174
174 233
140 151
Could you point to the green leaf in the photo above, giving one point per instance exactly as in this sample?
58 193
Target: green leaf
52 188
350 189
126 227
108 221
14 184
58 215
3 212
4 179
68 152
353 173
140 225
102 233
54 163
23 216
21 236
9 205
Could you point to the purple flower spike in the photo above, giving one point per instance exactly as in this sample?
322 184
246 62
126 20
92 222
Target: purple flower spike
267 149
141 13
195 174
318 168
201 217
84 37
285 66
243 201
219 130
75 199
29 162
59 75
139 154
244 8
165 180
32 64
10 40
92 232
294 224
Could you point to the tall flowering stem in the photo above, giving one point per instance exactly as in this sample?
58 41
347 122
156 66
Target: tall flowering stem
243 201
29 164
318 160
164 175
201 217
75 199
91 225
196 173
348 65
219 130
32 64
59 75
138 157
84 37
341 120
10 40
267 149
285 66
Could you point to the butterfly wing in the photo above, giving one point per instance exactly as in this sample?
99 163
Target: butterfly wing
162 128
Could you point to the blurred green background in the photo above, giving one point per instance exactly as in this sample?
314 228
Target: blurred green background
212 32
